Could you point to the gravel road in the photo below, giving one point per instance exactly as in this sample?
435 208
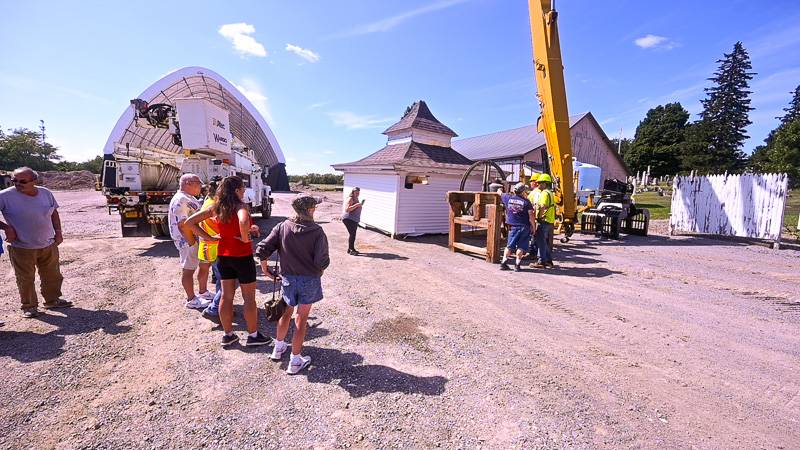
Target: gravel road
642 343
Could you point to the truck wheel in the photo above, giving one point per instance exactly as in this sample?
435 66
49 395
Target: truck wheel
266 209
159 230
164 229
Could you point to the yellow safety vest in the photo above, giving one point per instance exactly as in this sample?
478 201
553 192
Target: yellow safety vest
207 251
547 200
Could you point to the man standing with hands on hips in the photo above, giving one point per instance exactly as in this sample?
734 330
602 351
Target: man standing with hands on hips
33 231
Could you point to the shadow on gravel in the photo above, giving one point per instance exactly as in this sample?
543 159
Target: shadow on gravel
329 366
26 346
575 255
581 272
314 330
386 256
684 240
266 225
160 249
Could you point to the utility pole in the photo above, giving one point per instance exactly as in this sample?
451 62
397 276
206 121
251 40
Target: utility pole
41 128
619 142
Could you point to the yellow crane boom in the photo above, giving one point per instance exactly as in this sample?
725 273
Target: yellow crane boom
552 95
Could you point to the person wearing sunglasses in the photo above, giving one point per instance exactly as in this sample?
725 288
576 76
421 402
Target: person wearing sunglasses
33 232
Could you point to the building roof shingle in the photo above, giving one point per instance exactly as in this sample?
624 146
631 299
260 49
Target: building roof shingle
420 117
412 154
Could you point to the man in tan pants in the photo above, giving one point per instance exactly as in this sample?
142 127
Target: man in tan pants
33 232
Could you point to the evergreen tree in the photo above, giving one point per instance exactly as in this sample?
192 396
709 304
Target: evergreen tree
760 159
715 142
658 141
793 110
783 152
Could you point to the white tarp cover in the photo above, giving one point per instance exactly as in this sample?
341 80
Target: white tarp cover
750 205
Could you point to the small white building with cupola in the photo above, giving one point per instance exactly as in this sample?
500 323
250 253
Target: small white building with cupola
405 183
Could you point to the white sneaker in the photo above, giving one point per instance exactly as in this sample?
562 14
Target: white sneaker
278 350
208 295
297 364
197 303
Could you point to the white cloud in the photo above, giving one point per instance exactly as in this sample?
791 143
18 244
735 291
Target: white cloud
328 152
252 90
653 41
239 35
304 53
353 121
317 105
388 23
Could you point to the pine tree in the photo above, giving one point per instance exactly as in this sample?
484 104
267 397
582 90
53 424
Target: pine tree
658 141
783 153
781 149
793 110
716 141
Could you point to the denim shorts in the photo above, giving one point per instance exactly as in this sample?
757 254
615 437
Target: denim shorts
519 238
301 289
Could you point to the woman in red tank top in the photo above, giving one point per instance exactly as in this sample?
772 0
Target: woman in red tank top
234 257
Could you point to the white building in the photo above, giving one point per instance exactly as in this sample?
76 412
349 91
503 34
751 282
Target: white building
404 184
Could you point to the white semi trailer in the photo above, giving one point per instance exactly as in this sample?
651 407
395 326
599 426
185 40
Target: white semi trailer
138 183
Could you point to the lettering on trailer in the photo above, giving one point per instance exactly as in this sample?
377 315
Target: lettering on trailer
220 140
217 123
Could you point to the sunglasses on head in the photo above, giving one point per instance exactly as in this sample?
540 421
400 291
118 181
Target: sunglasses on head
15 181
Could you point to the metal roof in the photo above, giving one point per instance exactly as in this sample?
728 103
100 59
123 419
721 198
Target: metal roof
507 144
246 123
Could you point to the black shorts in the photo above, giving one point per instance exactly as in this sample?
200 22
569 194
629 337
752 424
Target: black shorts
242 268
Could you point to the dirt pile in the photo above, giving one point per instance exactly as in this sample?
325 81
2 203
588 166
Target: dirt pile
68 181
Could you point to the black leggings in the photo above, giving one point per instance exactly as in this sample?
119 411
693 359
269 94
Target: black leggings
352 226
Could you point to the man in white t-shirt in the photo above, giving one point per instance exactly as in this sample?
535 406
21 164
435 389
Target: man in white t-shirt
183 204
33 230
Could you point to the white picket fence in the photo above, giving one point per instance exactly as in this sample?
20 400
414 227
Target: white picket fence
749 205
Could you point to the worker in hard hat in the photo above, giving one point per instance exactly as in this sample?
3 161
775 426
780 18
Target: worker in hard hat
545 218
519 216
533 197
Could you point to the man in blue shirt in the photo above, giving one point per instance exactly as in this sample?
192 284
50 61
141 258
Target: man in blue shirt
519 216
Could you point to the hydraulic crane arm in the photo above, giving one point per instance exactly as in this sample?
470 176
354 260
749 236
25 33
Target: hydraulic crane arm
552 96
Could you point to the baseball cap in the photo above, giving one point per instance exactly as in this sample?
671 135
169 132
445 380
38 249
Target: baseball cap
303 202
520 187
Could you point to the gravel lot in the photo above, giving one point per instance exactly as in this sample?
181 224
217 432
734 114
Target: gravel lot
645 343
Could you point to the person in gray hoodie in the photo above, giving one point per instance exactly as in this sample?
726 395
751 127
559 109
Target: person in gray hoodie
303 251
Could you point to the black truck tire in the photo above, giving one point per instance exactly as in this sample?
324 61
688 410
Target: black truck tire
266 208
159 230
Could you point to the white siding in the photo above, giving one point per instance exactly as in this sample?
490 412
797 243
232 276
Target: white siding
380 194
424 209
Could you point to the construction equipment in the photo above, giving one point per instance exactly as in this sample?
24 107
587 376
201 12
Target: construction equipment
615 211
554 121
139 183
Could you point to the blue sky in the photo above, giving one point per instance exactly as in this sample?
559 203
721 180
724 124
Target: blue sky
330 76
